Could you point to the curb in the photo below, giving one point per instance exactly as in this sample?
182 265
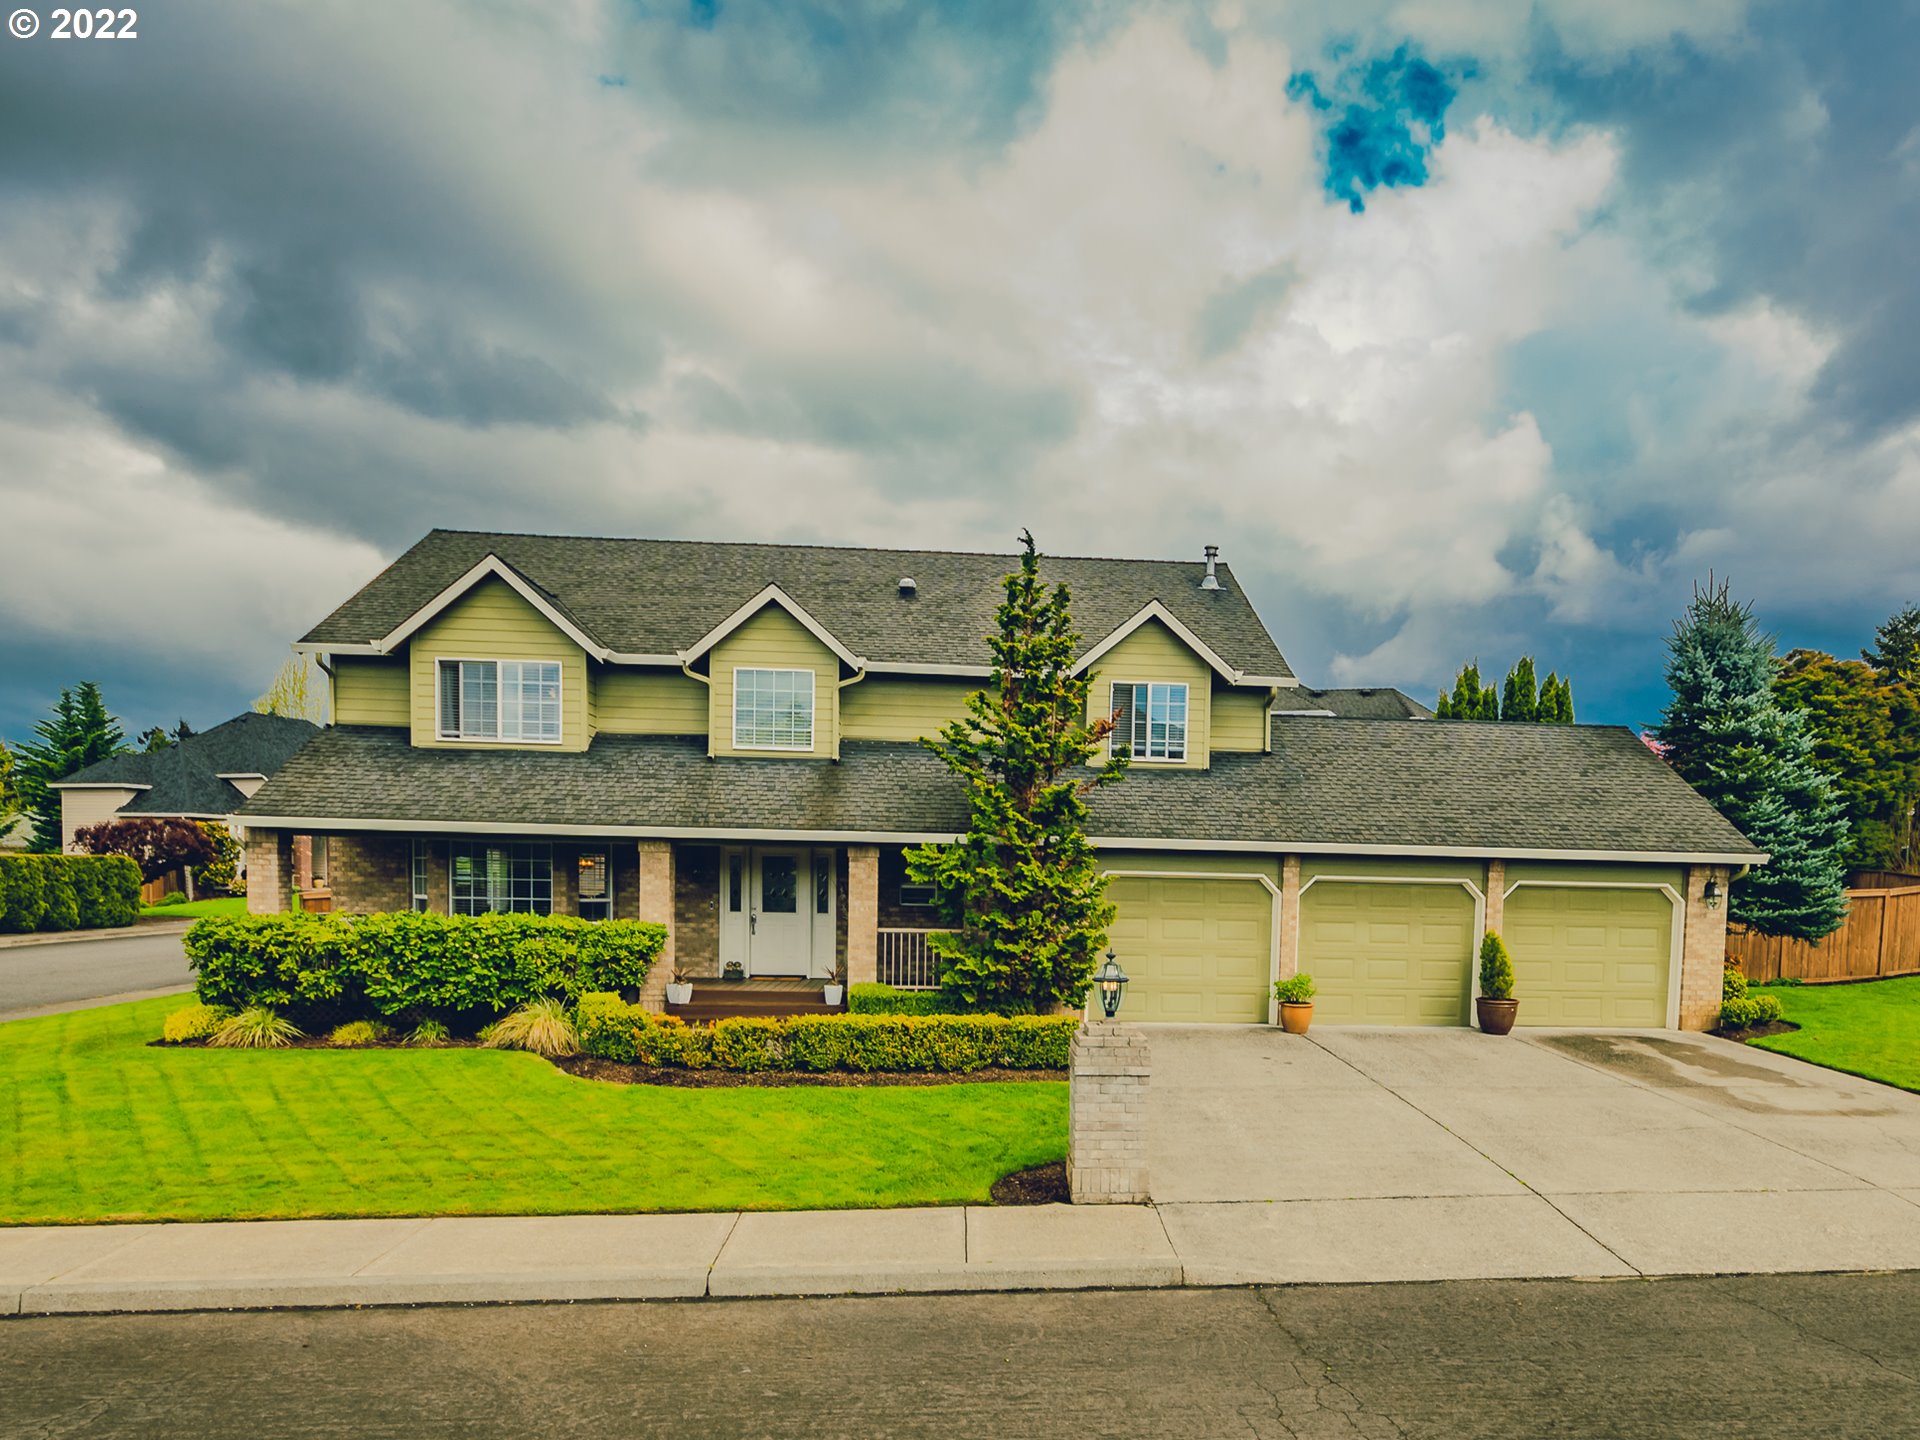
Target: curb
139 930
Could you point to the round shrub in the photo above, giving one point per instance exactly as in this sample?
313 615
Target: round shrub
194 1022
356 1033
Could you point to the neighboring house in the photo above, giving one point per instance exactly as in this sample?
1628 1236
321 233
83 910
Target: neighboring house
723 738
16 833
1383 704
206 776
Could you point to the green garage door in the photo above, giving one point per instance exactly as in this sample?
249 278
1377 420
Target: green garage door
1194 950
1387 954
1590 956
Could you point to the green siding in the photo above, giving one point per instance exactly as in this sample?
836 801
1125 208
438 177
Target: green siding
890 707
493 622
1153 652
773 640
1239 719
630 701
370 691
1473 871
1534 870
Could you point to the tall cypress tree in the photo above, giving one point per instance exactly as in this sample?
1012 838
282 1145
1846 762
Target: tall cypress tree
1896 647
1727 734
1023 883
1471 699
77 734
1521 698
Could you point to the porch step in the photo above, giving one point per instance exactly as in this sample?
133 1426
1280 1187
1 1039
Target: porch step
726 1001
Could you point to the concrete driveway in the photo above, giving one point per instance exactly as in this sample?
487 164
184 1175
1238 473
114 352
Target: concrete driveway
1363 1154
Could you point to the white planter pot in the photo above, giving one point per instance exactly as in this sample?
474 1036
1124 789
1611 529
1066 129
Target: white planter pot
832 993
679 994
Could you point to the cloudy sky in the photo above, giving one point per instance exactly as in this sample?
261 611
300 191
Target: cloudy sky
1464 326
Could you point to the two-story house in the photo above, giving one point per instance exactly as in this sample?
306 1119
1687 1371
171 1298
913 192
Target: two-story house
724 738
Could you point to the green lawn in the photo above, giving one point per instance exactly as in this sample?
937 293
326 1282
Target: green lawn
194 909
97 1125
1871 1029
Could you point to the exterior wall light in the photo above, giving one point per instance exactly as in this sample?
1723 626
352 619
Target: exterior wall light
1112 980
1712 895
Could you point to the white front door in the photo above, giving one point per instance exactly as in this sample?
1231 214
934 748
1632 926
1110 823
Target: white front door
780 924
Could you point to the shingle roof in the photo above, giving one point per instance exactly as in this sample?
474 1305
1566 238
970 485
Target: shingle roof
184 778
1365 704
655 597
1328 783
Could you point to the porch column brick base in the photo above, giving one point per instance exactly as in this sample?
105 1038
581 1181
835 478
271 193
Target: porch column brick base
1108 1068
1703 954
863 914
269 872
1289 923
656 906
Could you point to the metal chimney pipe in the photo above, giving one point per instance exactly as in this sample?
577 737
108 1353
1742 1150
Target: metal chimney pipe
1212 581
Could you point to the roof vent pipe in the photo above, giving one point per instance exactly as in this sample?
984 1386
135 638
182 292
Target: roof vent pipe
908 588
1212 581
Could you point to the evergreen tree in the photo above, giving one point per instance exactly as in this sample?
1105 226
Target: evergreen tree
79 733
1470 700
1896 647
9 786
1521 697
1728 735
154 739
1556 701
1865 729
1029 899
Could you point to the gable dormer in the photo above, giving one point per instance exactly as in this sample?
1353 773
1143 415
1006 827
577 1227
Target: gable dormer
773 681
490 670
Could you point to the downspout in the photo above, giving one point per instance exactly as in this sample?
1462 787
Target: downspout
686 668
320 660
1266 734
839 707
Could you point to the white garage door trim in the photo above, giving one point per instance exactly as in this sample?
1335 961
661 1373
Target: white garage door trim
1273 922
1675 943
1479 908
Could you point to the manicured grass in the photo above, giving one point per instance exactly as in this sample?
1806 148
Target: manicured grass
96 1124
1870 1029
194 909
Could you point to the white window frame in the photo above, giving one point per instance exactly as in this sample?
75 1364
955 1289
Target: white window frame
813 712
499 701
1186 723
536 851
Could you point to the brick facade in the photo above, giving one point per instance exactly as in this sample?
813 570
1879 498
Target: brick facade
1703 953
656 904
1109 1067
370 873
1496 902
696 909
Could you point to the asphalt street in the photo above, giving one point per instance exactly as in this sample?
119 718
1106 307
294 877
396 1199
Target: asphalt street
34 977
1826 1355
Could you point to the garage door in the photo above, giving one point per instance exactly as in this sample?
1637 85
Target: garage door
1387 954
1589 956
1194 950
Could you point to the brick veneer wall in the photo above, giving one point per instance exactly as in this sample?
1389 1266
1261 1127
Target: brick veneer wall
656 903
894 915
1703 953
1109 1065
1496 890
696 909
863 913
370 873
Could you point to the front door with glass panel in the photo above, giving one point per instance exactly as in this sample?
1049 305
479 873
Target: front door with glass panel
780 924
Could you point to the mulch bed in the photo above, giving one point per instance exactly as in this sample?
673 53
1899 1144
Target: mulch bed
619 1073
1754 1032
1042 1185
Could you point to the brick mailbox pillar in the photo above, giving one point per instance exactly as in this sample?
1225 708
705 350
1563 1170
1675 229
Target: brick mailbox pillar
1109 1066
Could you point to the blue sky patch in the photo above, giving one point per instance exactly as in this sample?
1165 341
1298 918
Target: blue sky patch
1382 119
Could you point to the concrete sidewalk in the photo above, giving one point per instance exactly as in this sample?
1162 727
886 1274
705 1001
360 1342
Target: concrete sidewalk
331 1263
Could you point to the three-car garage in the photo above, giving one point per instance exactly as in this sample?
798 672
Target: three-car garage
1397 945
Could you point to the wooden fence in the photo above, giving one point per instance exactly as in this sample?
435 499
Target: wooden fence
1881 936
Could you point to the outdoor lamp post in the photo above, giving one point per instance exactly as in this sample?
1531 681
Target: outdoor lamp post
1112 980
1712 895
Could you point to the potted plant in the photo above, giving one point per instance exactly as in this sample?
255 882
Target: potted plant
833 991
1295 994
1495 1004
733 970
679 989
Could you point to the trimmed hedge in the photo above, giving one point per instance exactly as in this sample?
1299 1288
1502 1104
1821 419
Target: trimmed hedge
1738 1009
872 999
67 892
951 1044
417 965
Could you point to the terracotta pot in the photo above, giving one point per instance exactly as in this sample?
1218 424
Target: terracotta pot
1496 1016
1295 1016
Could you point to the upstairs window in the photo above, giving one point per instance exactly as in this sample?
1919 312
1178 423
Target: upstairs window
1151 720
773 709
510 700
